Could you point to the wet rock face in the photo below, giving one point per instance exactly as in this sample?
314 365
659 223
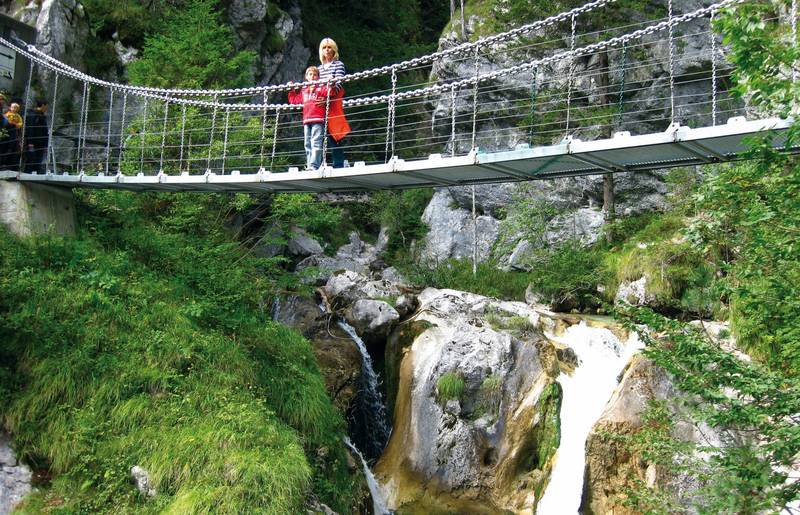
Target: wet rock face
490 440
611 466
275 35
337 356
15 477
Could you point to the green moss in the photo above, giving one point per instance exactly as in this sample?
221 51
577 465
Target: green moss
449 386
542 441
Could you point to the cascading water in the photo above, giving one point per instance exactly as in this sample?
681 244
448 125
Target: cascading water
378 502
585 394
370 413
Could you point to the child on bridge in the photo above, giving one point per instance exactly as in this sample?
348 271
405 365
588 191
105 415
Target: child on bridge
314 100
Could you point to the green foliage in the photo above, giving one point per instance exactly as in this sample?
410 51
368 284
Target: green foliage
401 214
194 32
736 397
153 319
449 386
457 274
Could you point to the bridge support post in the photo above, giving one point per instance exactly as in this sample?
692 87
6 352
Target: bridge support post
28 209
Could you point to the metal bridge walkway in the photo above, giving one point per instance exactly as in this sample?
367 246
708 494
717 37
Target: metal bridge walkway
676 147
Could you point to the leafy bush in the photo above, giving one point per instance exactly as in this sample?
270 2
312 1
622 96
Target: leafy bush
457 274
449 386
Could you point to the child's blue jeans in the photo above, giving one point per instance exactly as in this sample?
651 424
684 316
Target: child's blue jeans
312 136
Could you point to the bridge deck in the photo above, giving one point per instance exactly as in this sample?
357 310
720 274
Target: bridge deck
678 146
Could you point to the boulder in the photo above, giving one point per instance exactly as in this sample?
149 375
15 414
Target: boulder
372 319
141 478
475 449
355 256
15 477
634 293
452 232
302 244
345 288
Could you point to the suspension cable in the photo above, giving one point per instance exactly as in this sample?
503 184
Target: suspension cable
572 65
713 70
122 132
108 132
671 65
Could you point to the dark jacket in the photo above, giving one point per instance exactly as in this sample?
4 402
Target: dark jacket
36 132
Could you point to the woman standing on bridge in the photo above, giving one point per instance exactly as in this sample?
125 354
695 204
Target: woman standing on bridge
330 68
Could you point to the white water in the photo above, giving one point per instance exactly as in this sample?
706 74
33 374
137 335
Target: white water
585 393
376 425
378 502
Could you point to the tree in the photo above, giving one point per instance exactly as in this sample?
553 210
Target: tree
192 49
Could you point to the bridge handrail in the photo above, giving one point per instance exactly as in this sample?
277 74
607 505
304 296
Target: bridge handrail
157 94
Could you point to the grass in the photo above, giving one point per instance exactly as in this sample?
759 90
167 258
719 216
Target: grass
449 386
142 343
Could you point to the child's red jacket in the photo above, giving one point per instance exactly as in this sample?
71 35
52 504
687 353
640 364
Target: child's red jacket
313 100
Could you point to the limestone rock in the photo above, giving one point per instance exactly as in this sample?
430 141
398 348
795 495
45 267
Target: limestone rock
356 256
634 293
347 287
302 244
582 225
611 466
62 30
372 319
15 477
451 233
475 448
141 479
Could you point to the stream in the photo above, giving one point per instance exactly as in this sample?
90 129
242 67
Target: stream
585 394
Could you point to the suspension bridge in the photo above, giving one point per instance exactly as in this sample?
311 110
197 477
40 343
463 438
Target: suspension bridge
554 98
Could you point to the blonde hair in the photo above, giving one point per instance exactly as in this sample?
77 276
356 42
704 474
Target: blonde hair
328 41
311 69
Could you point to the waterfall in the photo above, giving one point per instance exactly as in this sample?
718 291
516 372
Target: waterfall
370 410
378 502
276 308
585 393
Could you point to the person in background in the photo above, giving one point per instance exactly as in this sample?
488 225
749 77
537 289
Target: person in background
36 138
331 68
313 100
10 149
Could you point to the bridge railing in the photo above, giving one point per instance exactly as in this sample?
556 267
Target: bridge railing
560 80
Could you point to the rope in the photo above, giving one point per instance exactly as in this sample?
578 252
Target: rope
621 100
144 129
211 135
713 70
325 129
571 75
534 94
453 94
225 140
390 119
25 115
108 132
80 125
275 141
475 99
474 235
263 132
671 66
183 133
122 132
51 152
85 123
163 138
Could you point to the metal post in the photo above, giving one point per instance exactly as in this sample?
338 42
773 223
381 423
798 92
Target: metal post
122 131
163 138
25 116
50 151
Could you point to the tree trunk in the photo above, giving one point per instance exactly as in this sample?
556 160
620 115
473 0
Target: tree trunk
606 99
